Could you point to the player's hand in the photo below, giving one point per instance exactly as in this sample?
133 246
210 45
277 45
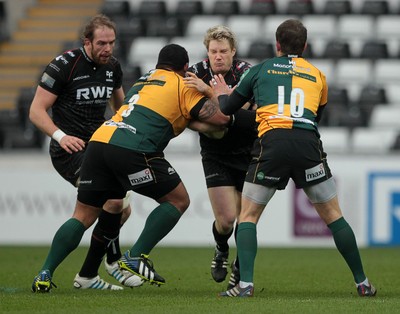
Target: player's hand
219 86
72 144
191 80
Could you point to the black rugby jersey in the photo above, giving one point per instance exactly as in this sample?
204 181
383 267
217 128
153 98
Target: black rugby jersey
236 141
84 90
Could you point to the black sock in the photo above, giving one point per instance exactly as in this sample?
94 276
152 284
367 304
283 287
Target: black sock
221 239
113 250
104 235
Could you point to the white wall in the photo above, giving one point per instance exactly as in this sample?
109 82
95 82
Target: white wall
35 201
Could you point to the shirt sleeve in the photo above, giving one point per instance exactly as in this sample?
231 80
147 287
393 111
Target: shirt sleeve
54 77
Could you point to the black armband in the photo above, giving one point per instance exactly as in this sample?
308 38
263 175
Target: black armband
244 119
223 101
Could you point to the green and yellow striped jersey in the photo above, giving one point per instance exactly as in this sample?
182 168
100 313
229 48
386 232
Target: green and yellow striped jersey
156 109
288 91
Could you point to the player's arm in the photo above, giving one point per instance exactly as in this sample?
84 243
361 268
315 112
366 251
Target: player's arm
117 99
228 103
207 110
38 114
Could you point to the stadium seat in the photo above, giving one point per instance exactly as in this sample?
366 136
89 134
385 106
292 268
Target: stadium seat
375 7
339 115
337 7
353 70
392 93
168 27
245 27
308 53
152 8
385 116
199 24
369 97
131 74
337 49
338 95
387 27
387 71
396 144
226 7
127 31
355 26
271 23
130 28
327 66
116 9
320 26
262 7
335 139
300 7
261 50
372 94
145 50
194 46
373 140
188 8
372 49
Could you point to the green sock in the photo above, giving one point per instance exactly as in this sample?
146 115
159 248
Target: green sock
159 223
346 244
247 249
65 240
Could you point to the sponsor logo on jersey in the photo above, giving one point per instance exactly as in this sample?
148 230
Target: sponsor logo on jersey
120 125
140 177
94 92
195 69
47 80
315 173
81 77
85 182
261 176
171 170
109 75
54 67
71 53
61 57
283 66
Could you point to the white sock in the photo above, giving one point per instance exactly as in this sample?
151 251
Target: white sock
244 284
365 282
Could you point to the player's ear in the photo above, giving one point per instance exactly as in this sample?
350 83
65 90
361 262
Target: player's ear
278 46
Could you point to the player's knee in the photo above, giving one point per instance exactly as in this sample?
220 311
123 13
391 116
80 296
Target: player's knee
114 206
226 225
182 203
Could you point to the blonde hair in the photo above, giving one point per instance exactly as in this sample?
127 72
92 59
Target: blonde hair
220 32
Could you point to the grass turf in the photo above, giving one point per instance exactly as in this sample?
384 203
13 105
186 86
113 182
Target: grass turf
287 280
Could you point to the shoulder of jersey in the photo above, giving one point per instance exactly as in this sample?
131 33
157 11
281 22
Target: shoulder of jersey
242 66
67 57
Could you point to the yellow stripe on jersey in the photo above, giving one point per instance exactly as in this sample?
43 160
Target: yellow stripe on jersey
157 109
308 87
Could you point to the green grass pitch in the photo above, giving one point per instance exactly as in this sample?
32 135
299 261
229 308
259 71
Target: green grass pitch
287 280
